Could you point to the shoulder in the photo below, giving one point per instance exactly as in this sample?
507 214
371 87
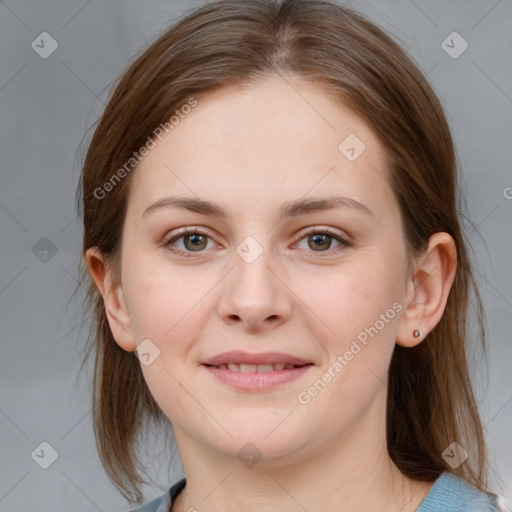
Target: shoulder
163 503
451 493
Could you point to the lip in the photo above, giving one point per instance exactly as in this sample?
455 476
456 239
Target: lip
240 357
257 381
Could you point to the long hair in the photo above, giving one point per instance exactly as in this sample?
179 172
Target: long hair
430 398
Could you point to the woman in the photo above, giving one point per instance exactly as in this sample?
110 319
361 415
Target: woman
270 224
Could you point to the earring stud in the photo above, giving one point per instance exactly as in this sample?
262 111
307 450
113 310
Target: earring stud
416 333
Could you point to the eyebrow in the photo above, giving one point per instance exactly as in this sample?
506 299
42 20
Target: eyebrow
288 209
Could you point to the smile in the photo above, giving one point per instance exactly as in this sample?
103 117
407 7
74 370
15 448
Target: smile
256 378
255 368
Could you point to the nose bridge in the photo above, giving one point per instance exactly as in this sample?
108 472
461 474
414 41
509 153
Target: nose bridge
254 293
253 278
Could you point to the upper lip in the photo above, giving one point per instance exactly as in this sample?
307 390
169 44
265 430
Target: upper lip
240 357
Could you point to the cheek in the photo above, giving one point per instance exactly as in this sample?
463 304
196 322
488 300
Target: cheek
359 309
160 295
346 302
167 308
170 306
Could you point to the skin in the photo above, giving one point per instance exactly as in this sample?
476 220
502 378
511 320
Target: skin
250 150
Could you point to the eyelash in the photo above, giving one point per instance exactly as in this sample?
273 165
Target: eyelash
193 231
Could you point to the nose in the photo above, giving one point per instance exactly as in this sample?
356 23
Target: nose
254 295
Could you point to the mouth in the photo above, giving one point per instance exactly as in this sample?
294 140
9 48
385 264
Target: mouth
256 377
255 372
256 368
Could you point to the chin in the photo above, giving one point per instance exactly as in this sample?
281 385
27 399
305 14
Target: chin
271 442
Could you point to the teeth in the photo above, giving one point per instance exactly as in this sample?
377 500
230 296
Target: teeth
253 368
247 368
265 368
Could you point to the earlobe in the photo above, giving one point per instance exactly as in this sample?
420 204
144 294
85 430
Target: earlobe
113 299
428 290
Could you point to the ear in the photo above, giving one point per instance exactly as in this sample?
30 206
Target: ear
428 289
115 305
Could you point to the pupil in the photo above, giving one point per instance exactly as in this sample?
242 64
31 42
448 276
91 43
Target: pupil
196 240
318 240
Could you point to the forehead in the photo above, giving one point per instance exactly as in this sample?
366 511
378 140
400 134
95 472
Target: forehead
269 142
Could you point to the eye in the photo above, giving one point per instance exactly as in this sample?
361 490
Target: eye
320 240
193 241
190 240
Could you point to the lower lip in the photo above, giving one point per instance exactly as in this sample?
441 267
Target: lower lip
257 381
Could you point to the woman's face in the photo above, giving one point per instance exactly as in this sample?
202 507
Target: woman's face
256 280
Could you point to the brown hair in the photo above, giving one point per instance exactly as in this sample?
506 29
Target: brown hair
430 398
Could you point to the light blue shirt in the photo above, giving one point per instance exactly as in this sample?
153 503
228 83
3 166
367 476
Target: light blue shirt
448 494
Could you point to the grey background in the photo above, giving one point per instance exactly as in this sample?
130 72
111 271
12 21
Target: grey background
46 107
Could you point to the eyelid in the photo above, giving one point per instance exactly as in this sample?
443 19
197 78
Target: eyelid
343 239
188 230
343 236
